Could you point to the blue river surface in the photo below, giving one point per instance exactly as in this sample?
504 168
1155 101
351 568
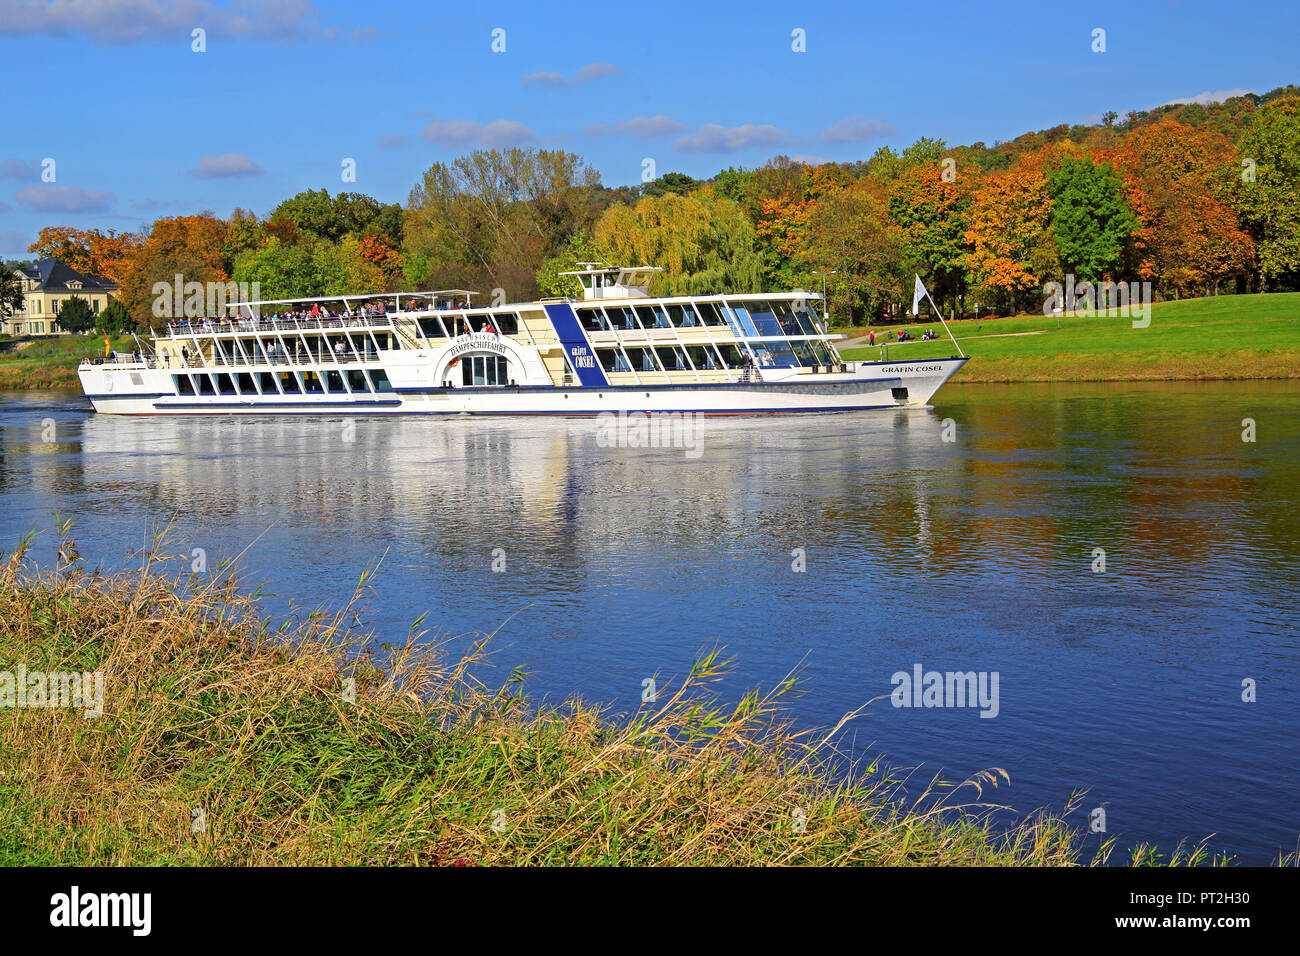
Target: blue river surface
847 548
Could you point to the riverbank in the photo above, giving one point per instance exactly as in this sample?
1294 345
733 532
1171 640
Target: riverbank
226 739
50 362
1215 338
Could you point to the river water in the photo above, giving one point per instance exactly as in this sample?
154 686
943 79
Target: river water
847 547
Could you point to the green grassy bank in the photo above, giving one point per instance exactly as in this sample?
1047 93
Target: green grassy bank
1222 337
225 739
51 361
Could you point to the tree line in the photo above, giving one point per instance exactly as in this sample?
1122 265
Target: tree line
1198 200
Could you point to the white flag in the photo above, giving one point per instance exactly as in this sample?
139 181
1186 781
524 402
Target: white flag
918 293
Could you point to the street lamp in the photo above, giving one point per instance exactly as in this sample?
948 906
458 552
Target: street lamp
826 309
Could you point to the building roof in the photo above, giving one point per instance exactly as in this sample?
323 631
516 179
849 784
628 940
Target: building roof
53 275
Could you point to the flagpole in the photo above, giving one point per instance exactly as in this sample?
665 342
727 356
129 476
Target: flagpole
945 324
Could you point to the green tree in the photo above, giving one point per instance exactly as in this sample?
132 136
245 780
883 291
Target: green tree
283 271
114 317
1091 221
703 242
1265 189
75 315
491 218
11 291
581 248
678 183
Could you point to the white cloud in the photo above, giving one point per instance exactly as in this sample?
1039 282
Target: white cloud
1206 98
856 129
642 127
64 199
392 140
712 138
546 78
19 169
131 21
227 164
475 134
596 71
11 242
590 72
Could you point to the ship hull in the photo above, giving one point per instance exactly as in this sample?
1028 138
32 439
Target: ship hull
871 385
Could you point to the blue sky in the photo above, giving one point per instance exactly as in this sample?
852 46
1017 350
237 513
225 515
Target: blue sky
141 126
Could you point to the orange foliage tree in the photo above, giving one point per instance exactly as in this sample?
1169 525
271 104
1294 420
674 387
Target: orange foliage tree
1012 250
1190 240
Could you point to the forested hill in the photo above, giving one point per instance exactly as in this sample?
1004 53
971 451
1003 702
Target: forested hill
1196 199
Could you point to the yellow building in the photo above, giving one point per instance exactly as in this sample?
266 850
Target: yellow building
46 286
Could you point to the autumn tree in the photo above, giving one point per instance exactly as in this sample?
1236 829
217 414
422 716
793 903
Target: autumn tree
188 246
1012 250
1189 238
850 232
108 254
930 206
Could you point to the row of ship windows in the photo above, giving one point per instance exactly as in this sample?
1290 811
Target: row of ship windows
775 317
675 358
283 383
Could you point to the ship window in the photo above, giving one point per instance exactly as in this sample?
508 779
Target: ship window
507 323
731 355
805 354
333 381
183 385
775 354
380 379
245 383
612 360
743 321
620 317
432 328
652 316
764 319
205 385
484 370
643 360
708 313
683 316
672 359
267 381
289 382
311 382
357 380
702 357
593 320
224 384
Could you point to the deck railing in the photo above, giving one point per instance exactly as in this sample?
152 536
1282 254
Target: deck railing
193 327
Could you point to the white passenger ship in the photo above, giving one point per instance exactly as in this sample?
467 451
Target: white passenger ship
615 349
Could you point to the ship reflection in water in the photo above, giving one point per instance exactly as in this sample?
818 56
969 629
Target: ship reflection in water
963 538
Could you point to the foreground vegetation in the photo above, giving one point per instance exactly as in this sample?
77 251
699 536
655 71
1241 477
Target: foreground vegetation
1222 337
227 740
51 362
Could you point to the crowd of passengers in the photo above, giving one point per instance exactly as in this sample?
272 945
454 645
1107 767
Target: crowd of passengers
374 310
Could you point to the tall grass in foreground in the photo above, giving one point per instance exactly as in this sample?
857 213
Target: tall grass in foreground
226 740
